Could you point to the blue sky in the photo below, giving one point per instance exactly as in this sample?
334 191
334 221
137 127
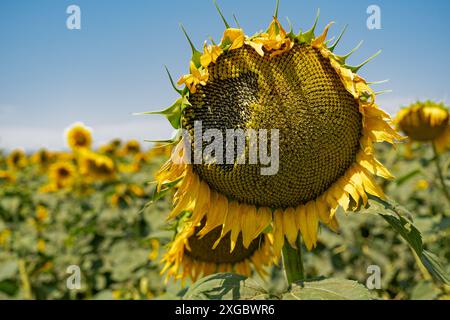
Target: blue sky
51 77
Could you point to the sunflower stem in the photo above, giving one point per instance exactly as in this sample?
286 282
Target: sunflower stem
437 161
293 262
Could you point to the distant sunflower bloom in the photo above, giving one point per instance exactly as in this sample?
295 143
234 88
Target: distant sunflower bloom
193 256
426 122
62 175
41 213
6 177
124 194
42 158
17 159
111 148
79 136
131 147
96 167
328 122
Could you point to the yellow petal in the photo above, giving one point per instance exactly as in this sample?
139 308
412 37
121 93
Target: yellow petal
323 211
318 42
289 226
334 224
374 166
188 200
312 221
249 224
302 224
370 184
202 203
278 234
263 220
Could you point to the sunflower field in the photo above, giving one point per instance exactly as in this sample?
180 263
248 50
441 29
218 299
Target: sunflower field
358 208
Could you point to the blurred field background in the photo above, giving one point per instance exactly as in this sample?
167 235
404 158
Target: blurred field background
57 209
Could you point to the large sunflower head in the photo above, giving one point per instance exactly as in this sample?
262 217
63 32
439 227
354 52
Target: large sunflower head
426 122
302 111
79 136
195 255
96 167
17 159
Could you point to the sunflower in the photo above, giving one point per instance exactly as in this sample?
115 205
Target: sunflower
42 213
426 122
42 158
124 194
6 177
131 147
62 175
17 159
79 136
111 148
96 167
327 122
196 255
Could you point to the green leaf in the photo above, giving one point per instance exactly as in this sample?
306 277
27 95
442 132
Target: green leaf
394 215
434 266
225 286
328 289
173 113
407 230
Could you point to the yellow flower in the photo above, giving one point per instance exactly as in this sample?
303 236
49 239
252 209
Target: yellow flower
124 194
128 167
41 213
274 41
327 120
136 190
7 177
426 122
5 235
42 158
62 175
131 147
17 160
210 55
196 77
96 167
196 256
41 246
422 185
79 136
232 39
111 148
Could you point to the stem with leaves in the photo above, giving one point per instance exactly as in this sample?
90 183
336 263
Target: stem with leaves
293 262
437 161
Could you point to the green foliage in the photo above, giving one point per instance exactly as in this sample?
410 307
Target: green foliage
225 286
111 244
328 289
